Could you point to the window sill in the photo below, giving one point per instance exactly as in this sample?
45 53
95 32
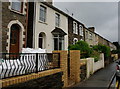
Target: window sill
42 22
17 12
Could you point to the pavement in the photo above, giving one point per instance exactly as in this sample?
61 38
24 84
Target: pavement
99 79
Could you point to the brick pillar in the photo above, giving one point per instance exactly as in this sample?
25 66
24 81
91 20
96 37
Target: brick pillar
75 65
63 66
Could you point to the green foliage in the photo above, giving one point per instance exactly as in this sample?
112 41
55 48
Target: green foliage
103 49
83 47
115 51
95 55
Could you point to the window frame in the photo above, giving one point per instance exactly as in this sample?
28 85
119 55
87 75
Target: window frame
75 40
44 12
81 30
21 8
58 38
90 35
75 27
57 20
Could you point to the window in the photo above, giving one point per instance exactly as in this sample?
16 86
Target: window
75 40
75 29
41 40
86 35
42 14
58 42
17 6
81 30
90 36
57 20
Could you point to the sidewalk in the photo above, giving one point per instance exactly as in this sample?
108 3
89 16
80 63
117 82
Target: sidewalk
99 79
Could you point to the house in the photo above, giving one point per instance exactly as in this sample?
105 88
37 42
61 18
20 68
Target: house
50 28
90 36
14 26
75 30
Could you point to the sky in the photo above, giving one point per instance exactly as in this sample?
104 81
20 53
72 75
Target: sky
101 15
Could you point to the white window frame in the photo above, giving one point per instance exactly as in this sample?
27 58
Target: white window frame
75 28
44 18
81 30
22 7
57 20
86 34
75 40
90 35
63 43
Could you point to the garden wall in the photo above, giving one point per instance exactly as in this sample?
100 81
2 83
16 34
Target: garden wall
93 66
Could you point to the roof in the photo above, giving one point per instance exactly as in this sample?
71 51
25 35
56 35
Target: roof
58 31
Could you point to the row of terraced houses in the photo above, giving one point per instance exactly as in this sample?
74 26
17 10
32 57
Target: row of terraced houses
42 25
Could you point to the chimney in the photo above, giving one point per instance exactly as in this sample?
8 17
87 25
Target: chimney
49 2
92 29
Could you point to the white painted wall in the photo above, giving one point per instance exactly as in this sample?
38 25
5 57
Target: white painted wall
49 26
93 66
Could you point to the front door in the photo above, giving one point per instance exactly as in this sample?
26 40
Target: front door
14 39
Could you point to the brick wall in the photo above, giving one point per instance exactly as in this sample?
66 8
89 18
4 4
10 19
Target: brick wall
75 65
64 66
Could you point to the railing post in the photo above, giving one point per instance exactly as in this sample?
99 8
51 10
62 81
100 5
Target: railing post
36 63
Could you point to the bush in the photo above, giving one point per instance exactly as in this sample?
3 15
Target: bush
95 55
83 47
103 49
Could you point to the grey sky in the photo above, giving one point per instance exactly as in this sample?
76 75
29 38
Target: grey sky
102 15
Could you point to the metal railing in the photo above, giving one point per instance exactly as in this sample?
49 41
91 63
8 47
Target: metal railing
15 64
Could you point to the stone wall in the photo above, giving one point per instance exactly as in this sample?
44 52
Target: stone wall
7 16
71 35
53 81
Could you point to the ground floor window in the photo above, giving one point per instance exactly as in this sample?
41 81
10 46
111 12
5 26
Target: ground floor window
41 43
75 40
58 42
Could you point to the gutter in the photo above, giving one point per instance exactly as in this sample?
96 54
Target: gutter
34 20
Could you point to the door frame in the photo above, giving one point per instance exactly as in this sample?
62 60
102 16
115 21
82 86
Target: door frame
21 35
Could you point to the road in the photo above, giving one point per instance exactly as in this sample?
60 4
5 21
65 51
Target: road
99 79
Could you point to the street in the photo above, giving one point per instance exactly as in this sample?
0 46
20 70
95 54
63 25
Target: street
100 79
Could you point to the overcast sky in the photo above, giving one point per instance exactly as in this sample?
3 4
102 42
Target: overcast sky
101 15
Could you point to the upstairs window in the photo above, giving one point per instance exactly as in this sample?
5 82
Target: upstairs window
57 20
81 30
86 34
42 13
75 29
17 5
90 36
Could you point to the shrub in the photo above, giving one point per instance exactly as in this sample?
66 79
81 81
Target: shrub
83 47
95 55
103 49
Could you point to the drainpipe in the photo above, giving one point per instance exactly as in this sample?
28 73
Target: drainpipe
27 8
34 21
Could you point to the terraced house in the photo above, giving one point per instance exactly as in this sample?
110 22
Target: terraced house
75 30
50 27
14 26
41 25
